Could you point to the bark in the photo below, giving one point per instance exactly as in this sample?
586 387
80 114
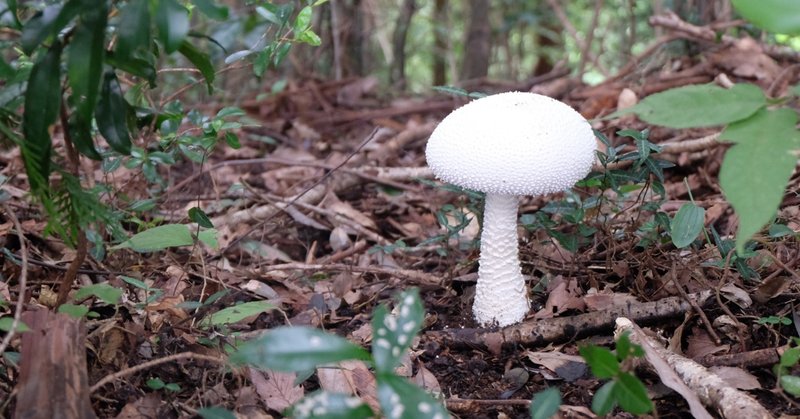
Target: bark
478 45
397 75
53 379
440 50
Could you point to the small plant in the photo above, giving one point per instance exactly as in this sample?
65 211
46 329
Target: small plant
774 320
545 403
302 349
159 384
789 359
623 389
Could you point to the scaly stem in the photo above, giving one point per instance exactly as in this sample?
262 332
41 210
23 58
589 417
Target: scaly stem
500 295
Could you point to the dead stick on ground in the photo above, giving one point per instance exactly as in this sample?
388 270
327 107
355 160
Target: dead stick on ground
541 331
420 278
22 280
712 390
150 364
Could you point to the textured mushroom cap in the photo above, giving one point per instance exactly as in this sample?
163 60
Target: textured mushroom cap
512 143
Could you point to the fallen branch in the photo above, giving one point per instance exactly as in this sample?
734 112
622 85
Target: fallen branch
419 278
21 281
154 363
543 331
711 389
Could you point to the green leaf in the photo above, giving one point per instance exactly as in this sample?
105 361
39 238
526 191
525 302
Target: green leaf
334 406
602 362
209 238
780 16
702 105
294 349
133 30
545 403
212 9
42 102
309 37
158 238
791 384
790 357
105 292
393 333
111 115
81 134
6 323
85 59
215 412
48 23
403 400
632 395
140 67
201 61
74 311
604 399
688 223
303 20
198 216
172 21
756 170
237 313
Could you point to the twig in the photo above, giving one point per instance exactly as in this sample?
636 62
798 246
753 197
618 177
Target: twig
23 278
598 5
150 364
420 278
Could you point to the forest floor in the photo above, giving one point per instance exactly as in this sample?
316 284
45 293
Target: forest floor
328 210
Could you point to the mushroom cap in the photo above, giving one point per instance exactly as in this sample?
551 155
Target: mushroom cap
512 143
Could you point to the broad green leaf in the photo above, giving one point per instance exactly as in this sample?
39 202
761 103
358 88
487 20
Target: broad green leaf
172 21
545 403
209 237
140 67
790 357
703 105
303 20
602 362
215 412
201 61
604 399
42 102
392 334
158 238
105 292
632 395
756 170
111 113
237 313
688 223
6 323
780 16
294 349
334 406
48 23
133 30
74 311
81 131
198 216
85 59
309 37
403 400
791 384
212 9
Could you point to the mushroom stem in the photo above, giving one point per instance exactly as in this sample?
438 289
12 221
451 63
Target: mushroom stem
500 295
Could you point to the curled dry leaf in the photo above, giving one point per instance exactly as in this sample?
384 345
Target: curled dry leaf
601 300
426 380
700 345
737 295
566 367
737 377
565 294
770 288
352 378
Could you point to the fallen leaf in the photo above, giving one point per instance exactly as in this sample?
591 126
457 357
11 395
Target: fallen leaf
425 379
700 344
352 378
771 288
276 389
564 295
566 367
737 295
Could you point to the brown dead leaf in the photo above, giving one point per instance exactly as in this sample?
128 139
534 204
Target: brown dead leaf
736 377
565 294
426 380
567 367
601 300
737 295
276 389
771 288
335 205
143 408
700 344
352 378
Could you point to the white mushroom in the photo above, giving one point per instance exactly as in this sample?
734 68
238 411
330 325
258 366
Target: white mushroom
507 145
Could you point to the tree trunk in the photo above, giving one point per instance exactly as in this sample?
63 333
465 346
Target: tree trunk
397 75
478 45
440 50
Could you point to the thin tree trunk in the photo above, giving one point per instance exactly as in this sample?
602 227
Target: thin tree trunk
440 25
478 45
397 76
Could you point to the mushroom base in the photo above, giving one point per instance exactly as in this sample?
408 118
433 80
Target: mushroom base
501 296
